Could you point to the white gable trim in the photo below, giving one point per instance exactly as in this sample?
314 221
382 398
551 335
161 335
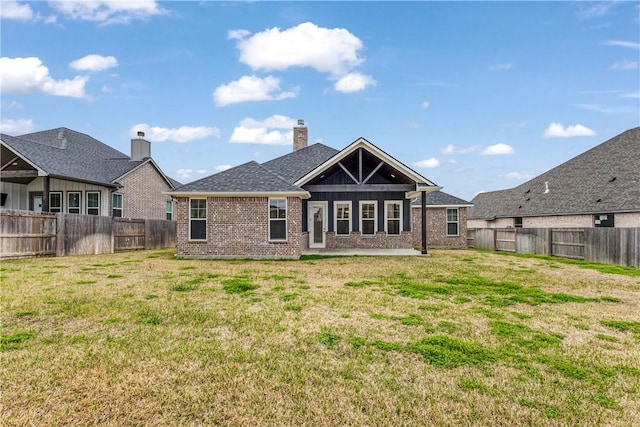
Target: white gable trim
363 143
41 172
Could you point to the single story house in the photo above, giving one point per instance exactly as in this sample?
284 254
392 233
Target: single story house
598 188
315 197
61 170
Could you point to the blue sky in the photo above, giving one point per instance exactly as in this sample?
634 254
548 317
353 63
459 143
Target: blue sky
475 96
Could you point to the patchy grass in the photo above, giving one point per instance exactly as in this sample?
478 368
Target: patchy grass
456 338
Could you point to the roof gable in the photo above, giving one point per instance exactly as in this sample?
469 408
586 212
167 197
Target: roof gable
370 148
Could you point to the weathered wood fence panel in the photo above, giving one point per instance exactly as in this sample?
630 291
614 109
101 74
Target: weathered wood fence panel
128 234
604 245
84 235
24 233
481 238
568 243
159 233
506 239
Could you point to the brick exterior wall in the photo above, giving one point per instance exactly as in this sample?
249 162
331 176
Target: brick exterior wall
142 194
238 227
380 240
621 220
437 228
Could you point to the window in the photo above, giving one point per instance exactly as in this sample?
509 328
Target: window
277 219
603 220
452 222
368 222
198 219
73 202
55 201
93 203
393 217
343 218
169 210
116 209
517 222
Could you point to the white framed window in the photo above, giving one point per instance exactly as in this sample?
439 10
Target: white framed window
277 219
93 203
368 217
55 201
342 214
116 205
169 210
198 219
393 216
452 221
74 202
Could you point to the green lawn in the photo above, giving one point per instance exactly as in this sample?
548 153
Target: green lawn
456 338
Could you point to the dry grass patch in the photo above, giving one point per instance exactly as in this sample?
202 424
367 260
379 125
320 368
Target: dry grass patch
460 337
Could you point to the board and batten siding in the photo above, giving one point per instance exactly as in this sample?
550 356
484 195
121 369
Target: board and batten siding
66 186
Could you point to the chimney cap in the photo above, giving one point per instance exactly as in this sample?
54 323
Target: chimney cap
300 122
140 134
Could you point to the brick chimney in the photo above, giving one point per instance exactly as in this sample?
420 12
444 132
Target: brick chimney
140 148
300 136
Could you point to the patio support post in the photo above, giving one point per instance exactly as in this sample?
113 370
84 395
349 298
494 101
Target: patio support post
423 200
45 194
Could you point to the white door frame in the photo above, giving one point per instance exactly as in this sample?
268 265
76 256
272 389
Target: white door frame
310 225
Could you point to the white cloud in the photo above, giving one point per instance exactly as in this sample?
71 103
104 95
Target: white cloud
94 63
556 130
498 149
13 10
250 88
184 173
181 134
519 176
16 126
425 105
267 131
624 65
635 95
622 43
23 75
428 163
327 50
354 82
221 168
454 149
501 67
108 11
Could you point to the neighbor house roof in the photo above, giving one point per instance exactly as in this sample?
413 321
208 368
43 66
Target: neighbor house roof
67 154
247 179
603 179
440 198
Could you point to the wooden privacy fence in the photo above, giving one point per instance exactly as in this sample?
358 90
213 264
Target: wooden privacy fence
25 233
605 245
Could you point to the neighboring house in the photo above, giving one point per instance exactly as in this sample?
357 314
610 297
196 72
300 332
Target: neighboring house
61 170
316 197
598 188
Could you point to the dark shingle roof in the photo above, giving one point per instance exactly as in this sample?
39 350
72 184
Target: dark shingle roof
298 163
603 179
440 198
66 153
250 177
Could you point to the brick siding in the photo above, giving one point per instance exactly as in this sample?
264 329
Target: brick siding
437 228
142 194
238 227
